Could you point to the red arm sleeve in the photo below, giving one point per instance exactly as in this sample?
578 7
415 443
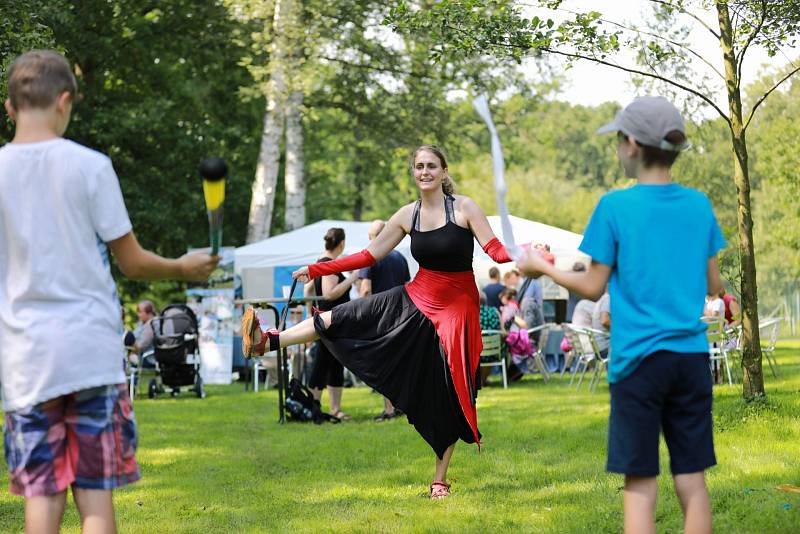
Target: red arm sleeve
349 263
497 251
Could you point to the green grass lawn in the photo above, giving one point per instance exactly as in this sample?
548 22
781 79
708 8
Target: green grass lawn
223 464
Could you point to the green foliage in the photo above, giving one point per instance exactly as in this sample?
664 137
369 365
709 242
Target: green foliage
159 92
21 29
165 84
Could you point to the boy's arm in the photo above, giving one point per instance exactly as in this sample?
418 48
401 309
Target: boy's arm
713 277
138 263
589 284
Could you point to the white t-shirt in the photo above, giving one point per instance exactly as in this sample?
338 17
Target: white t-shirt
715 307
60 322
603 305
582 314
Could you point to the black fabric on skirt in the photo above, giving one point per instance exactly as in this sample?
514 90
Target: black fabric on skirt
390 345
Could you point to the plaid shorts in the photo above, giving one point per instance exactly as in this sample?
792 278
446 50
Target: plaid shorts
86 439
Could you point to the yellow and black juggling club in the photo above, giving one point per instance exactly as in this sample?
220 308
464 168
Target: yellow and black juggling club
213 171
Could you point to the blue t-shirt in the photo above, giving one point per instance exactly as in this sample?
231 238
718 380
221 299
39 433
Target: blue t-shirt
388 272
657 239
492 292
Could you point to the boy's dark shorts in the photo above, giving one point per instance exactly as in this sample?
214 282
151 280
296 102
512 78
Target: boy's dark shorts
670 392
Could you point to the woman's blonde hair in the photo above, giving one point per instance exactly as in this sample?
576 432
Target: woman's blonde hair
448 186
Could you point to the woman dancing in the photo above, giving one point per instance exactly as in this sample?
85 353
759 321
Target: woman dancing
418 344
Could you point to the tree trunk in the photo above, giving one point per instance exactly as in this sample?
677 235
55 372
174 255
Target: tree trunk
295 180
262 201
753 381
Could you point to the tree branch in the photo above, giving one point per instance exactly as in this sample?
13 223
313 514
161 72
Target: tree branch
765 95
688 89
789 60
753 34
643 32
370 67
689 13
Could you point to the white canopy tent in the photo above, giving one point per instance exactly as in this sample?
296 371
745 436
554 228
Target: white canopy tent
256 263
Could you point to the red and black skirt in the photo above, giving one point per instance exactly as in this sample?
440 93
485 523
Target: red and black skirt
424 363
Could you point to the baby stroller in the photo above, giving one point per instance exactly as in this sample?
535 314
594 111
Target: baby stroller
176 352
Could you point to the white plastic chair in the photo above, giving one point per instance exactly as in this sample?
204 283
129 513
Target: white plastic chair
493 349
601 362
715 333
538 355
581 341
771 326
258 367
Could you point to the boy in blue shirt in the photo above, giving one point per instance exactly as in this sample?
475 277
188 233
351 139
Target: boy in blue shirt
655 244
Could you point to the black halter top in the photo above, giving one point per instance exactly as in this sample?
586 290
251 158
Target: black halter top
447 248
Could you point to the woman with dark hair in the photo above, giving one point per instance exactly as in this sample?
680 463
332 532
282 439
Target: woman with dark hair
419 344
335 290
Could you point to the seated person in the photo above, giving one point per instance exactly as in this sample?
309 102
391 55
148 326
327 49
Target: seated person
489 320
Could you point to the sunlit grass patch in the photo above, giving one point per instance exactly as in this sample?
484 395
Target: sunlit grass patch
223 464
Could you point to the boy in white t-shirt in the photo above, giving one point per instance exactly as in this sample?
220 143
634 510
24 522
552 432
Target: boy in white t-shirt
68 418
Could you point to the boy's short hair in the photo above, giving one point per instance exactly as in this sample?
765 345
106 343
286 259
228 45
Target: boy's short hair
656 157
37 78
494 272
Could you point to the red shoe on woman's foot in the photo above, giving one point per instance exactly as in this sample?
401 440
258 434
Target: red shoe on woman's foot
439 489
253 340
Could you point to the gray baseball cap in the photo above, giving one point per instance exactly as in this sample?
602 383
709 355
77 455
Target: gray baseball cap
649 119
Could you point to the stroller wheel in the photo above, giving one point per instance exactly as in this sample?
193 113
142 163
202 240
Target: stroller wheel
199 390
152 389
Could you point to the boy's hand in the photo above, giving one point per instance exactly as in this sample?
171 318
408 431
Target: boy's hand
198 266
533 264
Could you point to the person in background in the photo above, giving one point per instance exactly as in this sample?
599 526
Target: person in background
601 320
493 288
582 315
490 320
511 279
715 306
509 307
335 290
733 312
143 334
388 272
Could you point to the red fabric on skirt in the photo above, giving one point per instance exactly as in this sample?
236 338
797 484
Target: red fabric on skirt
451 302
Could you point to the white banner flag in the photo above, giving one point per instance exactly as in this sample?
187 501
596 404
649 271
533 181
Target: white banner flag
498 165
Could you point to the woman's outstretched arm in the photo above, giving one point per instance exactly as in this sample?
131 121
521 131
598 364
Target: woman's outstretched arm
385 242
482 231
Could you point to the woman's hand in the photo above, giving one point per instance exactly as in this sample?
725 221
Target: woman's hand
302 274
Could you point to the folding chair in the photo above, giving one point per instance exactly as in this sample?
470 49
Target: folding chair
772 326
717 352
581 341
493 350
538 355
601 362
257 366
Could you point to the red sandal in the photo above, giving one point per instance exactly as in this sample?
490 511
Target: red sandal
254 341
439 490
